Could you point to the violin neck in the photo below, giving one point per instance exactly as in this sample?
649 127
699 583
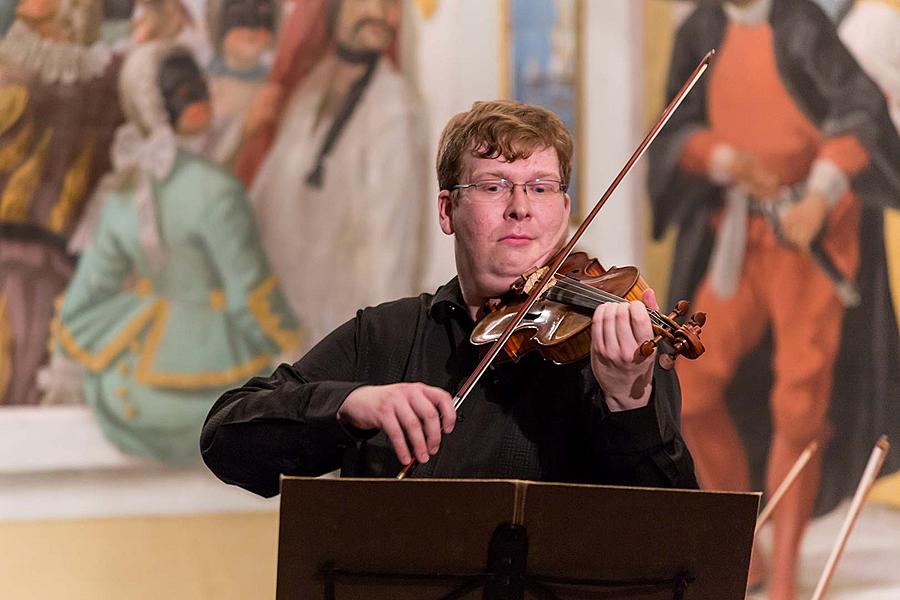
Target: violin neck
582 298
576 293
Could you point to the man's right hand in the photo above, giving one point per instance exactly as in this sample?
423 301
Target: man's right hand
408 413
747 170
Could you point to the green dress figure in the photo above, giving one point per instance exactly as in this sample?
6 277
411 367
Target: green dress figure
172 302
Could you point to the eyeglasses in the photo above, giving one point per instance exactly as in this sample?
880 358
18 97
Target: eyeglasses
500 189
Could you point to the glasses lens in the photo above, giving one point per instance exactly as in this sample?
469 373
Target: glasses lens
542 188
493 188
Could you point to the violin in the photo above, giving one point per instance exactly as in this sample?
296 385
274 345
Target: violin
558 325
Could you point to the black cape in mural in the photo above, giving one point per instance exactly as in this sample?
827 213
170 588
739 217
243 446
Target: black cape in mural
835 94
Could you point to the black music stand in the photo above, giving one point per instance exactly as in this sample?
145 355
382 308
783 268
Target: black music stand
445 539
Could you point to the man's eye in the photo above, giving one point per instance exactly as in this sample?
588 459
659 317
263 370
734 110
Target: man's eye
491 188
539 189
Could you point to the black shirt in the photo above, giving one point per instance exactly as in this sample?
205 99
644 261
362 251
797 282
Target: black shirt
526 420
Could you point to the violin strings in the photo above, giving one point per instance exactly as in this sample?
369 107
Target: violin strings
587 291
655 317
594 293
582 290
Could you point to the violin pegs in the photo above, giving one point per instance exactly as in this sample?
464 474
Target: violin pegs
649 346
698 319
681 307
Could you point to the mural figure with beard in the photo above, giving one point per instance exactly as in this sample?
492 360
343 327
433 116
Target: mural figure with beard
786 146
335 163
173 301
57 116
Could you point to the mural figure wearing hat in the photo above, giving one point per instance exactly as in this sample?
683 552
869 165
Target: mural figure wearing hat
242 32
784 151
339 191
56 118
173 301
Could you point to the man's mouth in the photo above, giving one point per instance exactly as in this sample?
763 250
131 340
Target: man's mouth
516 239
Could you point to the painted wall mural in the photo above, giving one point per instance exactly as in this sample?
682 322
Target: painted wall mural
191 192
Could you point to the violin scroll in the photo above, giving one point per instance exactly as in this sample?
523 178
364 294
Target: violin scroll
684 338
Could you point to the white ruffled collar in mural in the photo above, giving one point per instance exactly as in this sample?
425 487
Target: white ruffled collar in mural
154 154
754 13
56 62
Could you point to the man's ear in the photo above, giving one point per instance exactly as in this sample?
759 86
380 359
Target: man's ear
568 207
445 211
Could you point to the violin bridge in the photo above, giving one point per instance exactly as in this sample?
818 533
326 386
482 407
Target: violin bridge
532 277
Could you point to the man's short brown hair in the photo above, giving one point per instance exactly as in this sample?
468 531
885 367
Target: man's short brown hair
501 128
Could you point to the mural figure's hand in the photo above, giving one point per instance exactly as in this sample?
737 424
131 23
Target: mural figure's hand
802 222
748 170
264 109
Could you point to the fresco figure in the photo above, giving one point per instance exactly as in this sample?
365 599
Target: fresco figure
173 301
761 173
339 193
57 116
171 21
242 32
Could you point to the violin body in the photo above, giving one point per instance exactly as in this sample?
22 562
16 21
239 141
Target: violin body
559 331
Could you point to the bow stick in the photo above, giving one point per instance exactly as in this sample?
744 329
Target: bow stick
876 460
785 485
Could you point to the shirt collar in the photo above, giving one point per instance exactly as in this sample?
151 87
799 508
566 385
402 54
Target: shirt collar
752 14
448 301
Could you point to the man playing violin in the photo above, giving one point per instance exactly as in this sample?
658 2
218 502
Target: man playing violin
376 393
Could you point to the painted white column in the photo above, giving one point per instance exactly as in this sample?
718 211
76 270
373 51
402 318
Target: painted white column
458 64
612 129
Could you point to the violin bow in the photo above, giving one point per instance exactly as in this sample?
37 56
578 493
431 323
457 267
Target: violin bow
785 485
563 254
873 467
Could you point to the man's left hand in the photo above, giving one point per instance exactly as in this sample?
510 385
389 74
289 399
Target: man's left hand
617 332
801 223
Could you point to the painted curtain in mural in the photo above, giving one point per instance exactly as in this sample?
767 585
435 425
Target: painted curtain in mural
542 54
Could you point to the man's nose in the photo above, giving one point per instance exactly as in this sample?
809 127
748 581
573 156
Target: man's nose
518 204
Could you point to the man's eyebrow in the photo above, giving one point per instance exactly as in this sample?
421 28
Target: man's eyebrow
500 175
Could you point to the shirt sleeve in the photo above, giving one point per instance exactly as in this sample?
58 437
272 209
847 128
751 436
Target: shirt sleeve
643 446
285 423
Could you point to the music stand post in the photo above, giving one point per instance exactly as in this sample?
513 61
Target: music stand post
509 540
